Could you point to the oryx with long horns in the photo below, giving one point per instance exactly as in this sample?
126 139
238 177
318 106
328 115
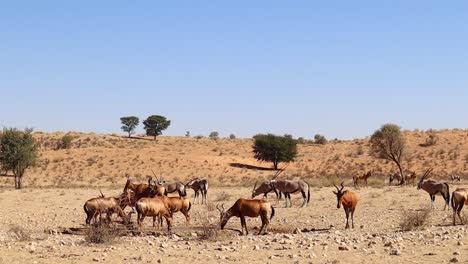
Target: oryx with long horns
433 188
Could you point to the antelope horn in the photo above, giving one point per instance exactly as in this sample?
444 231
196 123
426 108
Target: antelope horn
336 186
101 192
280 171
342 187
154 173
255 186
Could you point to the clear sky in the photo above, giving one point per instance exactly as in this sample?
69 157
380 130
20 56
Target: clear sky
338 68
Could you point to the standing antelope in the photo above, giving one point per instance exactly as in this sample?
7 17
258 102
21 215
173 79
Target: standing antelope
349 201
410 178
433 188
96 206
250 208
199 186
154 207
459 198
364 178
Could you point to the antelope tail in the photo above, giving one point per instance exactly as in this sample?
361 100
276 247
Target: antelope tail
308 192
85 209
272 212
189 207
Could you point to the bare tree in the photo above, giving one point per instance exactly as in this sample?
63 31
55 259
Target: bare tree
388 143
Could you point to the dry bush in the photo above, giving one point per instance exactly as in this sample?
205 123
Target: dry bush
414 220
19 233
102 233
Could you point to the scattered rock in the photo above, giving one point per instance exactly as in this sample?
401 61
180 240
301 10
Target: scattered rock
454 260
395 252
256 247
345 248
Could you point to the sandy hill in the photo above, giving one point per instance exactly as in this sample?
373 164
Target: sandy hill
104 160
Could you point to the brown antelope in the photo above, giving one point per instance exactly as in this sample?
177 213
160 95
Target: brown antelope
140 190
250 208
364 178
96 206
459 198
349 201
177 204
154 207
410 178
433 188
199 186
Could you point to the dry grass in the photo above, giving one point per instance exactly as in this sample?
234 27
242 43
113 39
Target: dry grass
19 233
105 159
414 220
102 233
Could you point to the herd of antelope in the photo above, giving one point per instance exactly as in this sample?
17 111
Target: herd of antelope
151 199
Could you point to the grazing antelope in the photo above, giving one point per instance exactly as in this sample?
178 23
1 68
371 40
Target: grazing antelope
250 208
349 201
177 204
455 177
268 186
459 198
410 178
154 207
286 187
199 186
433 188
364 178
96 206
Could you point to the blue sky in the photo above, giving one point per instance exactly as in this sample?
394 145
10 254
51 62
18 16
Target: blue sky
338 68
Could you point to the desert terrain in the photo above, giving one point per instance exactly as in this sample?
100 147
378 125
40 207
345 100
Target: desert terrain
44 222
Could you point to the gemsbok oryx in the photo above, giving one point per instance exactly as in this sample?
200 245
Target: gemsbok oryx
433 188
286 187
363 178
199 186
349 201
249 208
459 198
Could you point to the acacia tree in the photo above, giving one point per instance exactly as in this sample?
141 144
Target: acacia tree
155 124
389 143
276 149
18 152
129 123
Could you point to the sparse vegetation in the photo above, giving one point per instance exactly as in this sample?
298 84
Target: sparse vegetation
319 139
274 148
388 143
414 220
19 233
18 152
129 123
214 135
66 141
102 233
155 124
431 139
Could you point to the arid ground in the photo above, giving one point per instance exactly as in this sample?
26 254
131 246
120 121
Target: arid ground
44 222
33 220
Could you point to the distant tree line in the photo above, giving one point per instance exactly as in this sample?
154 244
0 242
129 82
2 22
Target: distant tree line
153 125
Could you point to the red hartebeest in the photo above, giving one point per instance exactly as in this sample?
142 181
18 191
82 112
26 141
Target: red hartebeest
349 201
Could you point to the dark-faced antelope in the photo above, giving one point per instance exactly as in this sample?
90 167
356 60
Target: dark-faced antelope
154 207
459 198
96 206
286 187
199 186
249 208
363 178
433 188
349 201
